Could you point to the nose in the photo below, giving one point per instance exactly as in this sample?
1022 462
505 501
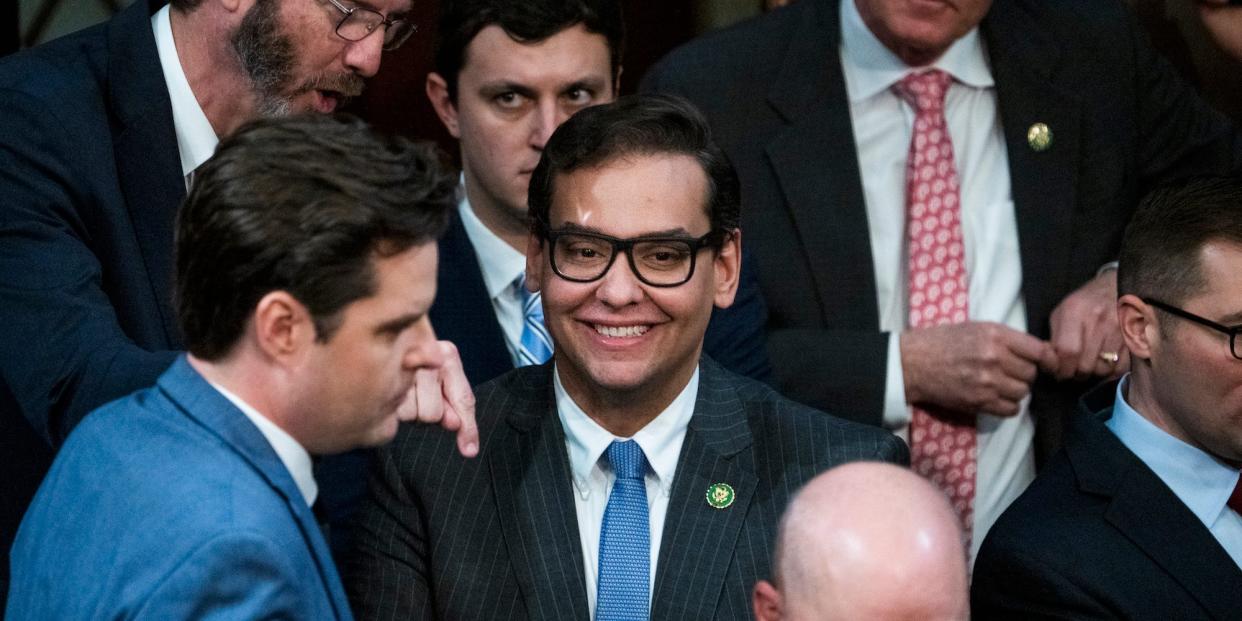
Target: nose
423 350
363 56
619 286
546 118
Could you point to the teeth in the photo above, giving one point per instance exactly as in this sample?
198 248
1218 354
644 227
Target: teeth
621 331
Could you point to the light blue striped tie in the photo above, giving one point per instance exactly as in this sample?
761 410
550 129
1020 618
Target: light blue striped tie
624 539
535 346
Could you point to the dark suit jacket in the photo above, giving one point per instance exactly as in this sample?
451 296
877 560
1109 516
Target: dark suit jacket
497 537
203 522
774 92
90 181
1098 535
462 313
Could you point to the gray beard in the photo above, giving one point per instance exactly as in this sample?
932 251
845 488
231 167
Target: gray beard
267 57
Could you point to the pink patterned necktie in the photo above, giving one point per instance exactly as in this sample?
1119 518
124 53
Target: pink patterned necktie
942 444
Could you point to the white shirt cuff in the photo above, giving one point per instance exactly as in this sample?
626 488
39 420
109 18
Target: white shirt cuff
896 410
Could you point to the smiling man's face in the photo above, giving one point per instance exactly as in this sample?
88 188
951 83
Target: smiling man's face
617 337
919 31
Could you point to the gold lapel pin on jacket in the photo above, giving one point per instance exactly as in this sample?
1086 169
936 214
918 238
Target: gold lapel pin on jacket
1039 136
720 495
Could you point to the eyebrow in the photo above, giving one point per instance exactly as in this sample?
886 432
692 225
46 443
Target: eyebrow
673 232
398 324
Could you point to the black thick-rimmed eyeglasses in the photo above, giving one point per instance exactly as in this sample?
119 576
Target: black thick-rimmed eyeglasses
578 256
359 22
1232 331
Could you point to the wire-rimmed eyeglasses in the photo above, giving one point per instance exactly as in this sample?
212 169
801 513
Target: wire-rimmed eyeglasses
359 22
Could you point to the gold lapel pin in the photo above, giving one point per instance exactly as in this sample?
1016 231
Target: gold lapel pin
720 495
1039 136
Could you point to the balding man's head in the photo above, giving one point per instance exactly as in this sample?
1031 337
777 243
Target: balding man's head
867 541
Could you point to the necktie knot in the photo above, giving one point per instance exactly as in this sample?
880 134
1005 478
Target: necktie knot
924 91
626 459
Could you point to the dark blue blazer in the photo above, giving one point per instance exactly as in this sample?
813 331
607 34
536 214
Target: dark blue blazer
463 314
1098 535
90 181
201 521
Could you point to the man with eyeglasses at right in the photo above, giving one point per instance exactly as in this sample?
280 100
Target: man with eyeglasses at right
1138 516
102 132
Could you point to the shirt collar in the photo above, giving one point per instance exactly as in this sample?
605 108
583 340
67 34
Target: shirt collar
500 263
196 140
660 439
1199 480
871 68
295 458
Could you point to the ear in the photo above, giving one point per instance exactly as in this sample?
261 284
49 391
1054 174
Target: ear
235 6
282 326
534 262
1139 326
728 267
438 94
766 601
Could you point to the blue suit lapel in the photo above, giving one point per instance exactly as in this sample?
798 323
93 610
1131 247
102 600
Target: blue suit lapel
463 313
532 483
700 540
211 410
147 159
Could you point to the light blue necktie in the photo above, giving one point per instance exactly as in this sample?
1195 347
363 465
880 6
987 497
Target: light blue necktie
624 539
535 346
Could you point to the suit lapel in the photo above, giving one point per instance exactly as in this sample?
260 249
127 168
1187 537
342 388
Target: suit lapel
215 413
463 311
1147 513
699 540
532 483
148 164
1044 183
829 213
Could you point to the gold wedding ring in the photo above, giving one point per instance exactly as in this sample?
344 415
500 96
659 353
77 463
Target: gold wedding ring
1110 357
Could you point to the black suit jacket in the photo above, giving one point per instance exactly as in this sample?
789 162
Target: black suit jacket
774 92
496 537
1098 535
90 180
462 313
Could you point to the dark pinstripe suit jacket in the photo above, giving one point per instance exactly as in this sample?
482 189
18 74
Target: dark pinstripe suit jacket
496 537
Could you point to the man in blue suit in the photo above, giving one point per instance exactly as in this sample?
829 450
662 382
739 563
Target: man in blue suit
507 74
103 131
305 265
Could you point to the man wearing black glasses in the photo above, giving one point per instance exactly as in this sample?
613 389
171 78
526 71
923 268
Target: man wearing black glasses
102 132
1138 516
631 476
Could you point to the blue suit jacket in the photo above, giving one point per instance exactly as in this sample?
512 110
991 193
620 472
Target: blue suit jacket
170 504
463 313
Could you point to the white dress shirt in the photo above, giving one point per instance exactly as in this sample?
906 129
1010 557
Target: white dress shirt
586 441
883 124
295 458
500 264
1202 482
196 140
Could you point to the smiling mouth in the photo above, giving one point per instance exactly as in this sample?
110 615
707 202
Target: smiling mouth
621 331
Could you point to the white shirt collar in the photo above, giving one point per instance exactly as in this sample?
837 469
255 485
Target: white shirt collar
196 140
295 458
1199 480
871 68
660 439
499 262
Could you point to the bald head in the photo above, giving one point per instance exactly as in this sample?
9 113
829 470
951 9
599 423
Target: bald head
867 541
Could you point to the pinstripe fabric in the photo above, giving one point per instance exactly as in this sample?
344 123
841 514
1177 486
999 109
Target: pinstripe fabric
496 537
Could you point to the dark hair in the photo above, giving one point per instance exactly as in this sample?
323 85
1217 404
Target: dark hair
636 125
300 205
185 5
1160 250
525 21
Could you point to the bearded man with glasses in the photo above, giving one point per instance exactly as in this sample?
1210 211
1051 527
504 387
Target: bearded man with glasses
103 130
630 476
1139 516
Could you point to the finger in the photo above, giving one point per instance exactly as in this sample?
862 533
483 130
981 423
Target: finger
1002 407
1019 368
1009 389
1029 347
1089 359
1113 344
1067 342
407 411
460 401
430 404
